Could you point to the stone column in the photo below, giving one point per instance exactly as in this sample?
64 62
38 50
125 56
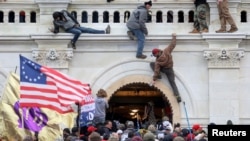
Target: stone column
16 19
111 17
27 16
56 54
153 16
223 56
6 16
164 16
47 7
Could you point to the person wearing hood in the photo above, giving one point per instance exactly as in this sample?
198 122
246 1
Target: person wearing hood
101 105
137 27
69 23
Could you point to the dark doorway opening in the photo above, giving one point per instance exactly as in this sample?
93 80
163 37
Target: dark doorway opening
130 100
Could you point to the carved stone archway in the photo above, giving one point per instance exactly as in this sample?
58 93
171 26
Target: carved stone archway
130 71
145 79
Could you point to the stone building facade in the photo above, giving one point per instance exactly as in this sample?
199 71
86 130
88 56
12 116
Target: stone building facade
212 69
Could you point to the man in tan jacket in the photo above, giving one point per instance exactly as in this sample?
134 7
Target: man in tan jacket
164 63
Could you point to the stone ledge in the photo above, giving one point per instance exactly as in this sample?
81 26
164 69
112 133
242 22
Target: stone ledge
225 36
98 37
101 37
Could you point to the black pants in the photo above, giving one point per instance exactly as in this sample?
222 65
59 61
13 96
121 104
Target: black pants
169 72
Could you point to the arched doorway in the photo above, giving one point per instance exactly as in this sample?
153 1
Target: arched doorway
129 100
115 78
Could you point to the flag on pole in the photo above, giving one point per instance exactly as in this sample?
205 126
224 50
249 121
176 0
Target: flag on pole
41 86
17 122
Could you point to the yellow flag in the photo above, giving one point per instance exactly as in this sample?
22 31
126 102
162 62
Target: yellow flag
16 122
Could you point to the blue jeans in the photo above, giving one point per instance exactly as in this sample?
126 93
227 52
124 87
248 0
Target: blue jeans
77 31
140 40
98 120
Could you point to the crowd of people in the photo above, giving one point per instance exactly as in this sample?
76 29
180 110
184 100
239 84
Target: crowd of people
113 130
116 131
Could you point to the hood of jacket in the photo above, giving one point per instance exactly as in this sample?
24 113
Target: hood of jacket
141 7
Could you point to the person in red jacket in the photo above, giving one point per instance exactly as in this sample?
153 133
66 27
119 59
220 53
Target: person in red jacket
164 63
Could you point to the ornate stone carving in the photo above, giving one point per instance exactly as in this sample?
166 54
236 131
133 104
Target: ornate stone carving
52 54
54 58
224 58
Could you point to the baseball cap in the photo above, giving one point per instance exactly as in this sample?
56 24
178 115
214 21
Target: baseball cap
91 129
155 51
196 127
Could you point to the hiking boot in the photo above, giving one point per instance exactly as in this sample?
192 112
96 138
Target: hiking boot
204 30
131 35
178 98
221 31
141 56
233 30
194 31
108 29
73 45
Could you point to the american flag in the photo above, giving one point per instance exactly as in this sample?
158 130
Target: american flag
41 86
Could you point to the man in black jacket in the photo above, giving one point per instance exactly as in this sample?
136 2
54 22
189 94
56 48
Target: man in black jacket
66 21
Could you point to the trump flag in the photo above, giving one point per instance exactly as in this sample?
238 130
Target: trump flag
41 86
17 122
87 112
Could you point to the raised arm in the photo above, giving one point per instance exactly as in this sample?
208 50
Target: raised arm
172 45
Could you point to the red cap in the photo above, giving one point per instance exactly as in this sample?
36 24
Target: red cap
196 127
155 51
91 129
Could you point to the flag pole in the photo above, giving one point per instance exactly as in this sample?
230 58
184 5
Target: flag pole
15 69
189 129
78 120
22 115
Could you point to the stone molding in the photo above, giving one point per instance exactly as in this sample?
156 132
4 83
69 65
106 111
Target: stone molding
53 58
47 7
224 58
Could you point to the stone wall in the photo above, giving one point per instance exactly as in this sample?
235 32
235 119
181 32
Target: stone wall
212 70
